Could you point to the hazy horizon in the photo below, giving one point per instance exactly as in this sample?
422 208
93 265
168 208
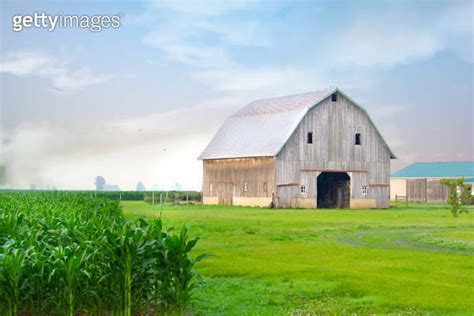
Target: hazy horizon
140 102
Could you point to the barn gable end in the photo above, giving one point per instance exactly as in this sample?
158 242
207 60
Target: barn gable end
333 126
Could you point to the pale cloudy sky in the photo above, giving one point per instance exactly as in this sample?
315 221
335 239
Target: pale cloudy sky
140 102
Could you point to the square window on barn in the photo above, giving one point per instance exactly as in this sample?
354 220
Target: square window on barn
334 97
303 189
310 138
365 190
357 138
246 186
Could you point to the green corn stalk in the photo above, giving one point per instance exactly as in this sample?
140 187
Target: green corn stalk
66 253
12 265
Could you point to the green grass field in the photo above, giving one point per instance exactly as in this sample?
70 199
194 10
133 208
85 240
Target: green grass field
406 260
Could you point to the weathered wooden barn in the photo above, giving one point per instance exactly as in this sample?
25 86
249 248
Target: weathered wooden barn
312 150
420 182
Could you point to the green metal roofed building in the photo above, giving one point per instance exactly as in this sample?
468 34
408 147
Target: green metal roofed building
420 181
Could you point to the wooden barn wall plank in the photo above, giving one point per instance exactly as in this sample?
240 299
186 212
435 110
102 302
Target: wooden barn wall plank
416 190
426 190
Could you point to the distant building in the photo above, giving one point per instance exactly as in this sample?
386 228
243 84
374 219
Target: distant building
140 186
111 187
318 149
419 182
102 185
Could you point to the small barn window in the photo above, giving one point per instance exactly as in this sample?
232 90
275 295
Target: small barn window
210 188
303 189
365 190
310 138
357 138
334 97
246 186
265 187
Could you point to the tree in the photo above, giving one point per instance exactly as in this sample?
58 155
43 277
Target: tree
99 183
459 194
140 186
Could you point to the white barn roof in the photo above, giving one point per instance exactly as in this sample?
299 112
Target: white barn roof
263 127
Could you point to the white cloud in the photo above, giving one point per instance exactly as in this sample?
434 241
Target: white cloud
204 7
457 25
397 36
27 63
55 69
199 33
383 43
74 80
243 79
197 56
236 32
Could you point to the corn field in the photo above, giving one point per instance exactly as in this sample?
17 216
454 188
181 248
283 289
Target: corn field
69 253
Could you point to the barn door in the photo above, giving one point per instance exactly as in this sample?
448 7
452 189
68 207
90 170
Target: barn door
285 194
225 192
333 190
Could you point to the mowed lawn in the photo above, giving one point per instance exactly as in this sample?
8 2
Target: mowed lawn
406 260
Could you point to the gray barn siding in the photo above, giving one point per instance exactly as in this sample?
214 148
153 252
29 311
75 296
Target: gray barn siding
426 190
436 192
334 125
416 190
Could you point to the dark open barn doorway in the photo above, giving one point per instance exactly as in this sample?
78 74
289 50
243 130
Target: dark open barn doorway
333 190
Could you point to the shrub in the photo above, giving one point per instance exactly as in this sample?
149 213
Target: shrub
458 195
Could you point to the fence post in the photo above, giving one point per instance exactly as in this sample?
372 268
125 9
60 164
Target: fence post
161 205
187 198
153 200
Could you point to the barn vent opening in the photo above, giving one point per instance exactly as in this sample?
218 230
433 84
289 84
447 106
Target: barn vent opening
357 138
310 138
334 97
333 190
